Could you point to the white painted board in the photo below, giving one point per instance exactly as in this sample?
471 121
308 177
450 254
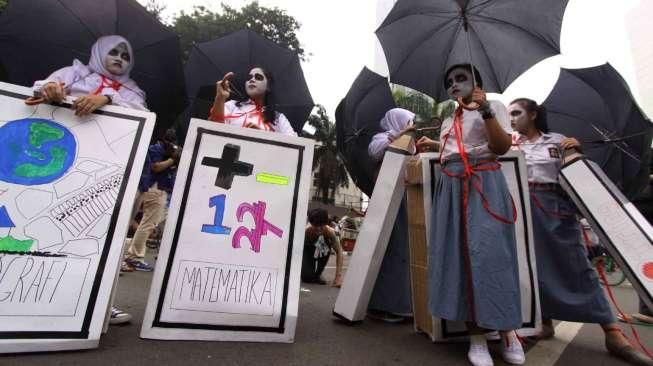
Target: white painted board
231 254
61 232
621 227
372 240
513 167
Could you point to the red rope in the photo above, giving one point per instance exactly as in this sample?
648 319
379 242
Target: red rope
470 176
538 203
604 280
107 83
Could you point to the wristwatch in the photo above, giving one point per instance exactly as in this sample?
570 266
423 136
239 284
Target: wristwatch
486 111
109 97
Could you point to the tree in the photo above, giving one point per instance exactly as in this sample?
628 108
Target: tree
156 8
203 25
329 171
414 101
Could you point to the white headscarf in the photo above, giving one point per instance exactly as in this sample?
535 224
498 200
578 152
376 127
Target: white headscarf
394 121
99 53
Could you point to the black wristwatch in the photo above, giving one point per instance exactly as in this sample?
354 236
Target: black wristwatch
109 97
486 111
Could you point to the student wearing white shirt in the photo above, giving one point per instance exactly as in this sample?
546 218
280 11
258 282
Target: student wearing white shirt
473 271
258 111
105 80
569 287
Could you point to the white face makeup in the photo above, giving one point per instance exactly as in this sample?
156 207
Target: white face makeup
520 119
256 84
459 83
118 60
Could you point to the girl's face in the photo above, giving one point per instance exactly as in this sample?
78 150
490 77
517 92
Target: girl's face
520 119
257 83
118 60
459 83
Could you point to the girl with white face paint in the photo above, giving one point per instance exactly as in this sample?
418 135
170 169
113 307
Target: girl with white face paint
561 255
257 112
105 80
473 268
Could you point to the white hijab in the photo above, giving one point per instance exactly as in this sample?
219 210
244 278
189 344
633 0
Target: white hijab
394 121
99 53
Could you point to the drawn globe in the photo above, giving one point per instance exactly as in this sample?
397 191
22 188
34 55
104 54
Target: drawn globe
35 151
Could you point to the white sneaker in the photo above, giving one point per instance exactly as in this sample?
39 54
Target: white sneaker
478 354
513 353
118 316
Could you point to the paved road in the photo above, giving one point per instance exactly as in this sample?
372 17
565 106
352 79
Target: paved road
320 340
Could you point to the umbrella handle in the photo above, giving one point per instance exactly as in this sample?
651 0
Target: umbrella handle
470 107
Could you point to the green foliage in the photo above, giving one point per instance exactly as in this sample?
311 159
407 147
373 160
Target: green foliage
3 5
329 171
156 8
203 25
414 101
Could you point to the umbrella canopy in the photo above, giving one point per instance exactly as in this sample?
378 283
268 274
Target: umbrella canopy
38 37
239 52
358 119
502 38
595 106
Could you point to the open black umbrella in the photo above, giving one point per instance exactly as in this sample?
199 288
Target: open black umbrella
239 52
357 119
595 106
38 37
502 38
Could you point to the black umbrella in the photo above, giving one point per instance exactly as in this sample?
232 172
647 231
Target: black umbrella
39 36
357 119
595 106
239 52
502 38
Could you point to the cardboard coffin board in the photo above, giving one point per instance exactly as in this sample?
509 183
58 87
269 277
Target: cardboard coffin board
67 184
231 255
372 241
428 170
627 235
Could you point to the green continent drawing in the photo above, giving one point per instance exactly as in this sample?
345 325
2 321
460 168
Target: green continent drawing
11 244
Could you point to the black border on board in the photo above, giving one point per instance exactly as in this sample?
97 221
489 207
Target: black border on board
520 187
83 333
180 215
621 201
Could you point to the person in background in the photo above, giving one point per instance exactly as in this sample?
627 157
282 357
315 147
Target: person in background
164 157
319 240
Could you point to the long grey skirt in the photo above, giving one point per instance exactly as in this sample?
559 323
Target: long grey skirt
392 290
491 278
569 287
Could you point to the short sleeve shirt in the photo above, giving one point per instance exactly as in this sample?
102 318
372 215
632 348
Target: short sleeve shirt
543 156
474 136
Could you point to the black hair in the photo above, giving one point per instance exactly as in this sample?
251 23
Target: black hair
318 217
269 106
477 75
540 113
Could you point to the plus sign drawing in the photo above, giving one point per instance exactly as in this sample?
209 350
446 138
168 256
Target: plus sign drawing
228 166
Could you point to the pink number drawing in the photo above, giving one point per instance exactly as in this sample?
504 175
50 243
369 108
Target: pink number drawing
261 226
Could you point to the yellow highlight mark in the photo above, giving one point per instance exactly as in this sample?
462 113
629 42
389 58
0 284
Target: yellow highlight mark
272 179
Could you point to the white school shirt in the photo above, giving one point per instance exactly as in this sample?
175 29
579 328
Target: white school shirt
474 134
246 113
80 80
543 156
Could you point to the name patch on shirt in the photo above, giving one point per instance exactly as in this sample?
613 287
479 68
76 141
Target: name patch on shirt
554 153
